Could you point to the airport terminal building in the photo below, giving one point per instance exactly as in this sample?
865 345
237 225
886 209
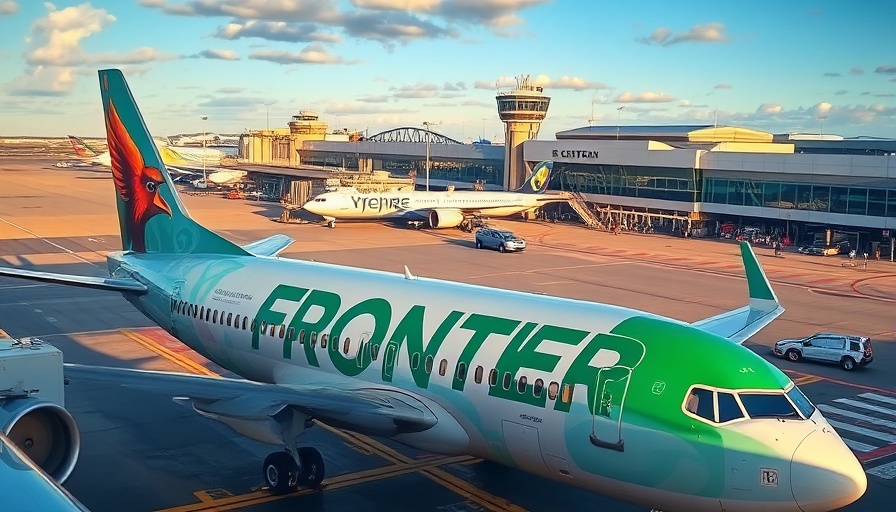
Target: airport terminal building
695 179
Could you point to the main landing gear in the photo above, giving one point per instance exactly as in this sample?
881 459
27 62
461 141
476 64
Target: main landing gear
293 467
331 223
282 473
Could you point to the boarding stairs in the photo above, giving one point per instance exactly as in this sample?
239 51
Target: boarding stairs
588 216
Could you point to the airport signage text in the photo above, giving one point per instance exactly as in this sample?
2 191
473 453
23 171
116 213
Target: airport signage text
580 154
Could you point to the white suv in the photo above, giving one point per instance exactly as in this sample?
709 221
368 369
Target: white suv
847 351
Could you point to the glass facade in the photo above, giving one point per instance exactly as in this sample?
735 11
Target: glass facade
666 183
874 202
469 171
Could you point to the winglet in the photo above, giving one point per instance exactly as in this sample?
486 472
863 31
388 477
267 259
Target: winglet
407 273
738 325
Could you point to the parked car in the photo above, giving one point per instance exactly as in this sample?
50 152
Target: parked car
499 239
825 250
845 350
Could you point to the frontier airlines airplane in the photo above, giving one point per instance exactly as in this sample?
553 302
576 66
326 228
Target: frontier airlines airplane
666 414
437 209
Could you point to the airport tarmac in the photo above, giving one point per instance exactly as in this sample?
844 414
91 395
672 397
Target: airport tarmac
141 451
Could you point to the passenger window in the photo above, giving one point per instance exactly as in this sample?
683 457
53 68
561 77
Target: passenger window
374 352
699 402
264 327
282 331
273 329
461 370
428 364
302 337
245 321
538 388
236 321
492 377
477 375
553 390
566 397
195 310
521 385
291 333
443 366
323 341
313 339
854 346
728 407
415 360
215 317
345 345
506 381
229 318
254 324
201 312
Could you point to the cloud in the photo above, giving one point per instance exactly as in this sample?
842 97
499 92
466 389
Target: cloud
311 54
496 14
644 97
230 90
705 33
822 108
276 31
44 81
355 109
722 85
398 5
270 10
217 54
456 86
239 102
569 82
501 82
832 74
841 92
885 69
856 70
381 98
391 26
8 7
770 109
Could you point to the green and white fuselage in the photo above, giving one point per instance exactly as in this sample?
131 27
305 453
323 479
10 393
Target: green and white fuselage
674 416
610 415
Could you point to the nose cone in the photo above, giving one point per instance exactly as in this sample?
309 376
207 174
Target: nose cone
825 475
310 206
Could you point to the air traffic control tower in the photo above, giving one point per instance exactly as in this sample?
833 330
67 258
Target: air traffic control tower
522 111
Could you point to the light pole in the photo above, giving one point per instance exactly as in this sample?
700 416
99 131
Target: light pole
204 177
267 114
821 125
618 119
427 124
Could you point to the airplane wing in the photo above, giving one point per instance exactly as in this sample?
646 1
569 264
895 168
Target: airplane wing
738 325
270 246
116 284
26 487
369 410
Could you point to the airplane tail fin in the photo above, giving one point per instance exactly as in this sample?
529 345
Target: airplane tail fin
537 182
151 216
81 148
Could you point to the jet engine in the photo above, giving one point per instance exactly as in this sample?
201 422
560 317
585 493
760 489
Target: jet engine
441 219
44 431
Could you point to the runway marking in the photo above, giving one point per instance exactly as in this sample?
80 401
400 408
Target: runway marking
550 269
54 244
168 354
400 463
807 379
843 383
887 471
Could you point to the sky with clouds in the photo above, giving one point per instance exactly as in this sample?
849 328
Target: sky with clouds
799 66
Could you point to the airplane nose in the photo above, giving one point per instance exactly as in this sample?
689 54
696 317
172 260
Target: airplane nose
824 473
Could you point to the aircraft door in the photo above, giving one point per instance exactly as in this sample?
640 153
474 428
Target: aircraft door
176 289
611 387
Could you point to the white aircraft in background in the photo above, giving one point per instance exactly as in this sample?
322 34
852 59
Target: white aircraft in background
438 209
177 160
647 409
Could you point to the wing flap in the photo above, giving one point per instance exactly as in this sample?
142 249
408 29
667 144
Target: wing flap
739 324
102 283
270 246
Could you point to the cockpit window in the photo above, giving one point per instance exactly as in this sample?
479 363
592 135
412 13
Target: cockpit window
802 403
767 405
699 402
728 407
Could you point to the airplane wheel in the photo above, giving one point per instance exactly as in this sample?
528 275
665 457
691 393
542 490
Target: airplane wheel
280 472
331 224
311 470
